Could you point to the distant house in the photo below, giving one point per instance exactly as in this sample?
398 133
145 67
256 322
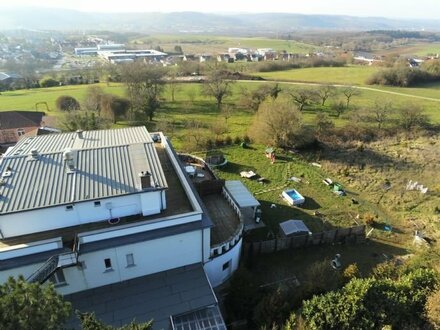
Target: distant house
14 124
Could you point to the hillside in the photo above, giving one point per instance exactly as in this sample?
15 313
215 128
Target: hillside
61 19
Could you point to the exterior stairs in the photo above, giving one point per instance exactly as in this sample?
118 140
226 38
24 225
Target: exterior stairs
52 265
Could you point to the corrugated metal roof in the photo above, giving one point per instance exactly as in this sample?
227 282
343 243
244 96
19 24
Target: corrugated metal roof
241 194
100 170
90 139
44 144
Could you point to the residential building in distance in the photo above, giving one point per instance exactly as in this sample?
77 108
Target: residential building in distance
122 225
15 124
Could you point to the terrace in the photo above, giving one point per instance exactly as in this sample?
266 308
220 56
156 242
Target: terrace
225 218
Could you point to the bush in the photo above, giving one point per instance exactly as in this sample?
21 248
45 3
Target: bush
67 103
237 140
49 82
209 144
402 77
219 142
228 140
246 139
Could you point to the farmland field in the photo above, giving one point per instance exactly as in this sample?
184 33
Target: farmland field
351 75
201 44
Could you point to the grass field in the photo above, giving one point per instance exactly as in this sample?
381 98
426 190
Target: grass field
203 109
419 49
351 75
338 211
212 44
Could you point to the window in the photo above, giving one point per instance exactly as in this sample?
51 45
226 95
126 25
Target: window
130 260
108 264
98 203
20 131
69 207
58 278
226 265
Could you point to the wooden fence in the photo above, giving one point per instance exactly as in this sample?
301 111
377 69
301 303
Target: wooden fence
350 235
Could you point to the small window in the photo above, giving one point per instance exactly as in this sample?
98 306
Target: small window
226 265
69 207
130 260
98 203
20 131
58 278
108 263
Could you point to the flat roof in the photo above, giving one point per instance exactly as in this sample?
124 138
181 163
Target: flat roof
157 296
106 164
241 194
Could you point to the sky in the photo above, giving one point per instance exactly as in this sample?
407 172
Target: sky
424 9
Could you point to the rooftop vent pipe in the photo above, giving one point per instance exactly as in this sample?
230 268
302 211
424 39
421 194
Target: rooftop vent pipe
69 159
79 134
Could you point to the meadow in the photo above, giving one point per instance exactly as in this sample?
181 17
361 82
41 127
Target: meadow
204 44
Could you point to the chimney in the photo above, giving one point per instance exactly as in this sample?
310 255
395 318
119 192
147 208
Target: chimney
34 154
145 180
69 159
79 134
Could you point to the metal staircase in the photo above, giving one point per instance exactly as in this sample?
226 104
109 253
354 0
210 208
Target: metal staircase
52 265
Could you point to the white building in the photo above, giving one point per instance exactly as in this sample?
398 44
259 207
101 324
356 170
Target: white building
97 212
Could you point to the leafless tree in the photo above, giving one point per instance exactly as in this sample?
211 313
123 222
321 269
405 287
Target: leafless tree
325 92
217 85
349 92
145 85
302 97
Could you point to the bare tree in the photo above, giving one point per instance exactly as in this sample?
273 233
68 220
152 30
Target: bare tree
412 116
325 92
276 123
323 124
195 131
172 84
144 84
217 85
302 97
92 99
349 92
381 112
338 107
113 107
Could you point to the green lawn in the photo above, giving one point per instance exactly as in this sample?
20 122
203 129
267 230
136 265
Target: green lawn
351 75
338 211
26 99
210 44
203 109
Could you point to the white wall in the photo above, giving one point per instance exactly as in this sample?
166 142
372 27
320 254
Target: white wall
214 268
21 223
149 257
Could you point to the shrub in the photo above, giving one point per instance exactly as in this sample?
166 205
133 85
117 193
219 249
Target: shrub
219 142
49 82
237 140
228 140
209 144
246 139
67 103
